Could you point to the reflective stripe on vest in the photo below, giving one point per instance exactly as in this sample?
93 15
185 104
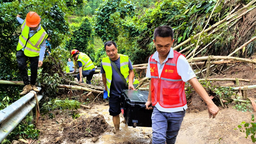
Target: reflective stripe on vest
124 69
31 45
168 90
87 64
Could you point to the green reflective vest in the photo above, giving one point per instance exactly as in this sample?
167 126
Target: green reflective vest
32 44
124 69
86 61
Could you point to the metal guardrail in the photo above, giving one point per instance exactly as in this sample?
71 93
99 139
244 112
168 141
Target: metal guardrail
12 115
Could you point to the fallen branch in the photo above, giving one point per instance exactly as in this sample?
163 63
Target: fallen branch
96 98
11 82
85 107
244 87
224 79
253 104
78 88
245 44
84 85
139 65
221 57
239 100
229 18
193 52
141 81
140 68
144 89
186 48
212 62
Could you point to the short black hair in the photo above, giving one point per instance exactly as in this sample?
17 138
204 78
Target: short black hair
109 43
163 31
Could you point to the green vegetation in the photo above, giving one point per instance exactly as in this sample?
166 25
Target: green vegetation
249 129
243 107
57 104
25 130
81 37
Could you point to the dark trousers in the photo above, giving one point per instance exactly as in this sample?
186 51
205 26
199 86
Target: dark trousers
88 74
165 126
22 64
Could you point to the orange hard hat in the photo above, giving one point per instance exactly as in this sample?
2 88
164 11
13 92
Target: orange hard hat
74 51
32 19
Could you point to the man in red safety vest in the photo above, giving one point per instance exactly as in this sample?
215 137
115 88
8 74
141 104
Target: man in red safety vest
169 70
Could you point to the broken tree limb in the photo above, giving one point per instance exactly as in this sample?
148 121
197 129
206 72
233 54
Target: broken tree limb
186 48
95 98
224 79
244 87
84 85
85 107
212 62
208 66
141 82
253 104
78 88
204 29
145 67
229 18
144 89
139 65
11 82
222 57
245 44
239 100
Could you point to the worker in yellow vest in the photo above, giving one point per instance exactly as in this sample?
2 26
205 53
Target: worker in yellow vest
31 46
85 64
117 72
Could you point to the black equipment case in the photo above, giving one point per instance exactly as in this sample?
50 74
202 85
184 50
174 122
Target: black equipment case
135 113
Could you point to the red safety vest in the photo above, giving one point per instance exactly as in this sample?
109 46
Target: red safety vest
168 90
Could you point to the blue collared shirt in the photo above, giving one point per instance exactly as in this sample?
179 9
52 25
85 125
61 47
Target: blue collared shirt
31 33
183 69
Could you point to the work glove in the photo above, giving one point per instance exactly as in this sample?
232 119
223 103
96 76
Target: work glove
105 94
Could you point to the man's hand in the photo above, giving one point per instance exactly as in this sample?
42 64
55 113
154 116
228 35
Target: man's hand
18 15
148 103
40 63
213 110
81 80
131 87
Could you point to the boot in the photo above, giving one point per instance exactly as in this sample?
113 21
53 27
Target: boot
35 88
26 89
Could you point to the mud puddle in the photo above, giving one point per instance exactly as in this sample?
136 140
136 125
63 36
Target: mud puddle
94 126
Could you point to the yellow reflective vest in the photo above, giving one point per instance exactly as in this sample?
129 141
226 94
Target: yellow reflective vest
31 44
124 69
86 61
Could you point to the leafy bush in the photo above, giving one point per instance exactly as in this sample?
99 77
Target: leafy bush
25 130
108 17
53 71
55 104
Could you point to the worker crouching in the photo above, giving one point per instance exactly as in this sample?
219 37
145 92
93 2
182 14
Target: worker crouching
85 64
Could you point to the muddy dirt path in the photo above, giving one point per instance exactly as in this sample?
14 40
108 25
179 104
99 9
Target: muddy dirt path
196 128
